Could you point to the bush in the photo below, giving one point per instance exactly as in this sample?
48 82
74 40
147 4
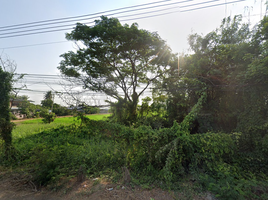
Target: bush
12 116
60 152
157 155
47 117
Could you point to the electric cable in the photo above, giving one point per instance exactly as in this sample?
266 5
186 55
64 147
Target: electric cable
52 27
98 13
40 44
32 45
181 11
95 18
131 19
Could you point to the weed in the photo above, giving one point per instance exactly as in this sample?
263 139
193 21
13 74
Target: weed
96 182
168 158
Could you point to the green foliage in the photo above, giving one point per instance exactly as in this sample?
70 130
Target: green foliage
58 152
89 109
29 127
153 114
145 108
48 95
47 103
230 63
61 110
5 125
227 187
48 100
153 156
48 117
122 56
25 106
221 143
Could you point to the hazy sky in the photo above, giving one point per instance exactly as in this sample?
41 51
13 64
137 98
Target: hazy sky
34 57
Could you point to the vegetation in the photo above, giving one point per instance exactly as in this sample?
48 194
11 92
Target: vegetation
116 57
34 126
25 106
61 110
48 100
48 104
88 109
206 121
48 117
159 158
5 124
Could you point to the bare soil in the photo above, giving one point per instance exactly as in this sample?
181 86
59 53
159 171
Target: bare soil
17 187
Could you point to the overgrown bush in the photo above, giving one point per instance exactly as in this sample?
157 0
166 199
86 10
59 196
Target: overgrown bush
48 117
153 156
59 152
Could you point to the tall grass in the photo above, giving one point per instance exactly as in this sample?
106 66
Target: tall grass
59 152
29 127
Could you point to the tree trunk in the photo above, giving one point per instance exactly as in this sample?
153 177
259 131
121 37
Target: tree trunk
133 108
7 136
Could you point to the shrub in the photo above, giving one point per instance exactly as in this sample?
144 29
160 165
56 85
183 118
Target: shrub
47 117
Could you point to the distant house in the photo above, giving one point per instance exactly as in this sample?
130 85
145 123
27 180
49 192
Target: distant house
15 109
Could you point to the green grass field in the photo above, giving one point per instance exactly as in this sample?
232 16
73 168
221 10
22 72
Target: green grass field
29 127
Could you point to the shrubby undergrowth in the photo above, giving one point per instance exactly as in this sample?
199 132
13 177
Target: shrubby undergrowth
221 144
160 157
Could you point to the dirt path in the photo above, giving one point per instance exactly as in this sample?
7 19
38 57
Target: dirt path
18 187
86 190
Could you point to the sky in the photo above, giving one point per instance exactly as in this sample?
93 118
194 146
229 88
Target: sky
40 53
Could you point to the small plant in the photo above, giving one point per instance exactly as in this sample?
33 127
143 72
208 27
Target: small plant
47 117
37 114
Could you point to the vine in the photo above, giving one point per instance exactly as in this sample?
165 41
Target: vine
175 149
5 124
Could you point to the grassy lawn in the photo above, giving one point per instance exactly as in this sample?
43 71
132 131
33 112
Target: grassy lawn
29 127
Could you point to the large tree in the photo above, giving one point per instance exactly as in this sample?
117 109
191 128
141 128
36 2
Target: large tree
230 63
118 60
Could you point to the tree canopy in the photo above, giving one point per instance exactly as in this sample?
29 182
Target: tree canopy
230 63
48 100
118 60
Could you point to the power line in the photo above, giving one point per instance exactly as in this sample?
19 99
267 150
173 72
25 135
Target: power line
52 27
212 6
35 33
68 25
85 93
32 45
185 10
136 18
93 18
80 16
26 74
39 44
